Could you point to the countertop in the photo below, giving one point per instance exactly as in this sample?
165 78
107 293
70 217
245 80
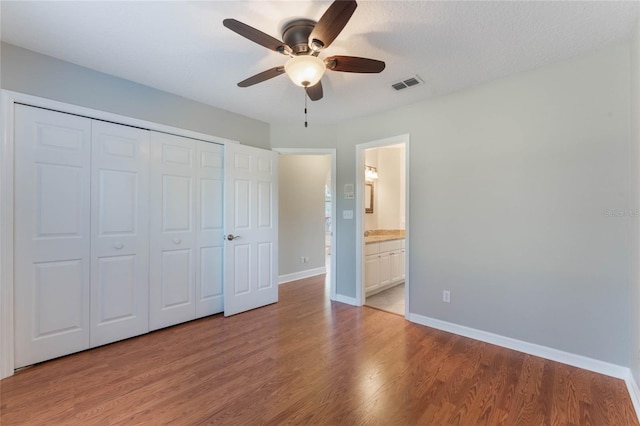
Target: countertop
379 235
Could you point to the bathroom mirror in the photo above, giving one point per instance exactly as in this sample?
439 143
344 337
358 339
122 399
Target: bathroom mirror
368 197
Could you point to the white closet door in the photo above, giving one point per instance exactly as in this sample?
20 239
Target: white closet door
172 220
52 234
119 233
209 237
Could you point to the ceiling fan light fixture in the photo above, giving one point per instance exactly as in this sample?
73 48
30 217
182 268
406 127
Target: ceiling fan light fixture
305 70
316 45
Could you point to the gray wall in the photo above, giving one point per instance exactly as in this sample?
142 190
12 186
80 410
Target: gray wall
510 185
35 74
301 211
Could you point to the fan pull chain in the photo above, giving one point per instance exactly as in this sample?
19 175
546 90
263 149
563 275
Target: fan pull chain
305 107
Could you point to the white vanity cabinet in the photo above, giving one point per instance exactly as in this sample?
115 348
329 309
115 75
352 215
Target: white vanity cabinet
383 265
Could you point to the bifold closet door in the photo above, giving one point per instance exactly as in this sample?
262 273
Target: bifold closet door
120 232
186 256
52 234
172 220
210 232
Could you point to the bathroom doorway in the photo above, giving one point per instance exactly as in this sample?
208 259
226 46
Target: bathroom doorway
307 237
383 234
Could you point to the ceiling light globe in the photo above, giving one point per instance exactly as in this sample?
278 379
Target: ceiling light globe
306 70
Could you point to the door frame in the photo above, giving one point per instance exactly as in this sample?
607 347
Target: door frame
359 216
8 99
334 232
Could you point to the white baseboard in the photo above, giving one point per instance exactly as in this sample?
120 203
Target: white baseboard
287 278
346 299
579 361
634 391
568 358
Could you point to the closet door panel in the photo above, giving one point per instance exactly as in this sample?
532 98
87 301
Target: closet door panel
172 220
209 236
120 233
52 234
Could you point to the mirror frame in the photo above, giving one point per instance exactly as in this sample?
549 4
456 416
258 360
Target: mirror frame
368 197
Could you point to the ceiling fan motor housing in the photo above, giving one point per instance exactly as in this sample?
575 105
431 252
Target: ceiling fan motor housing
296 33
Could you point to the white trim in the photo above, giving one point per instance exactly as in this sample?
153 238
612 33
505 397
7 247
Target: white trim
6 238
579 361
360 148
545 352
8 99
346 299
16 97
634 391
295 276
334 201
407 221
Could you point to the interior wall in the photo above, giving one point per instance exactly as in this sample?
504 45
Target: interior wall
515 189
634 160
390 202
35 74
301 211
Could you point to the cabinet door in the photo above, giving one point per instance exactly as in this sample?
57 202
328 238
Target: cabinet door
371 272
397 266
209 236
52 234
385 269
172 228
119 232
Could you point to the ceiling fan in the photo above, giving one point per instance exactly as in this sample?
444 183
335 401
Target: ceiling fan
304 39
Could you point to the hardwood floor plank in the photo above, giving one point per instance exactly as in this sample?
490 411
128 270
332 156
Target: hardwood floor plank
307 360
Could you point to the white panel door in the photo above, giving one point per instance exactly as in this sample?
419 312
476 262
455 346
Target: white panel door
251 222
172 228
52 234
209 235
119 232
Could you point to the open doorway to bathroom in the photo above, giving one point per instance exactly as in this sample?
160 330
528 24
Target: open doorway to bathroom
306 238
383 224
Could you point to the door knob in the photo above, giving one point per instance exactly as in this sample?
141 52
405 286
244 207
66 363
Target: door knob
118 246
232 237
177 240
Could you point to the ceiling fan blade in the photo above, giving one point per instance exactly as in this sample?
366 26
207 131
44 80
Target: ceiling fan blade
331 23
260 77
354 64
256 36
315 92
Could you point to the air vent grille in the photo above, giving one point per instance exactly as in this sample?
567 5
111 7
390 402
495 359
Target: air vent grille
407 82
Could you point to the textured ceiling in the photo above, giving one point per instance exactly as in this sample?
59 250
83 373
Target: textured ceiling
182 47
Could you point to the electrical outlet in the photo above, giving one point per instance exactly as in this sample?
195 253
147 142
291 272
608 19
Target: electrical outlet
446 296
302 259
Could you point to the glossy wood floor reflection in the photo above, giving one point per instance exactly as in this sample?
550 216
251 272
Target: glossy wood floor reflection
306 360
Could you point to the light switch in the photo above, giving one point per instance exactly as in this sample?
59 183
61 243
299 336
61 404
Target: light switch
348 192
347 214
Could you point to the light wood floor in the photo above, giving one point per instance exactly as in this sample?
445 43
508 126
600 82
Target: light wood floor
306 360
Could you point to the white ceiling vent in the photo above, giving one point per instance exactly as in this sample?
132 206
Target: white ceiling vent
412 81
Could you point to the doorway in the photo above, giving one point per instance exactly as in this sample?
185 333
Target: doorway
382 224
307 207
